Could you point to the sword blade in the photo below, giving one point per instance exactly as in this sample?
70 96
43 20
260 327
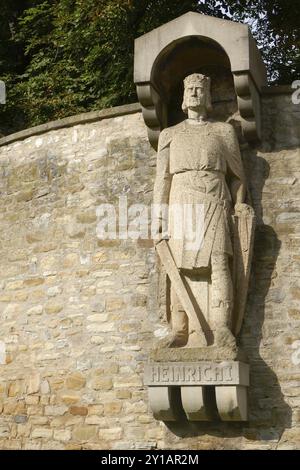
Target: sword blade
167 260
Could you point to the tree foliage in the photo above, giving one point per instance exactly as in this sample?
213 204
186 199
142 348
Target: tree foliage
62 57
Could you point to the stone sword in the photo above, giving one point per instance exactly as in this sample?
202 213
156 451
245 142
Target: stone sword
172 271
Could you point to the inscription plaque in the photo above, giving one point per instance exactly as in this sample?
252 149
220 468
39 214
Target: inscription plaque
197 373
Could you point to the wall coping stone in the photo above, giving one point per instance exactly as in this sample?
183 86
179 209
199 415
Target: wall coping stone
70 121
108 113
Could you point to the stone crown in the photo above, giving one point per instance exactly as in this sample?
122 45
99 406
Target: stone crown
196 78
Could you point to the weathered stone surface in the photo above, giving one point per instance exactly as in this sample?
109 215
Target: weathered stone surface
53 308
102 383
75 381
45 388
84 433
78 410
37 310
4 431
112 408
62 435
110 434
15 388
67 354
33 383
212 353
69 399
43 433
20 419
55 410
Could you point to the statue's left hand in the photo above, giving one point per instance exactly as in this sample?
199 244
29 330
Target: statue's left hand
243 209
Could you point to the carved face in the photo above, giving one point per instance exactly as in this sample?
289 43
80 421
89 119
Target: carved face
194 95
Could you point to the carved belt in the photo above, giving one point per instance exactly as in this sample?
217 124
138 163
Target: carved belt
224 203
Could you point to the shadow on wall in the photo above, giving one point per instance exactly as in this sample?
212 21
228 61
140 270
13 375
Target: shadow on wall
269 414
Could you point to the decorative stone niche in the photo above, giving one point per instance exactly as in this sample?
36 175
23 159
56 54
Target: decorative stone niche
224 50
211 70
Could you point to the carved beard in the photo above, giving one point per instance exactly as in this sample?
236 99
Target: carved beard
195 102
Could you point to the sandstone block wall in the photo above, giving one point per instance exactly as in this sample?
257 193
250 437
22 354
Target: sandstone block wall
78 314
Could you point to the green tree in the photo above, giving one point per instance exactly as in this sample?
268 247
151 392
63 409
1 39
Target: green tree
276 27
12 60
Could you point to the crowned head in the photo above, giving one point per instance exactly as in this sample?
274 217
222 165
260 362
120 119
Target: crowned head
196 92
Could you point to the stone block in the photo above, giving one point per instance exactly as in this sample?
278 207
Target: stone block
63 435
75 381
110 434
84 433
197 383
112 408
101 383
33 383
55 410
42 433
78 410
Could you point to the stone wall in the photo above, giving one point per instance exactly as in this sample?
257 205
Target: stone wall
78 314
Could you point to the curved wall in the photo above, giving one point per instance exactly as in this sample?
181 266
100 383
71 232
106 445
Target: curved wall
79 313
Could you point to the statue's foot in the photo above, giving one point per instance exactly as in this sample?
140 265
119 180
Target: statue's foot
197 340
224 338
172 341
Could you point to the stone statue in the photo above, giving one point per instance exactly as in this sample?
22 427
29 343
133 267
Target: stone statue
199 164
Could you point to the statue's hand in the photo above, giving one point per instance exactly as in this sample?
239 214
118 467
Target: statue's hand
160 235
160 238
243 209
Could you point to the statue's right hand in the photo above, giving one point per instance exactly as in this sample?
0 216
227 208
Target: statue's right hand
160 227
160 237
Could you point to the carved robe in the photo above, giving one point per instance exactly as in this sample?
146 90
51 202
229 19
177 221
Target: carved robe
194 164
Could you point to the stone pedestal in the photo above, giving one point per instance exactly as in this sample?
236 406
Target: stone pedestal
208 390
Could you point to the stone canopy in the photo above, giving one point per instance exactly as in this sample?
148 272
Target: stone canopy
193 42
